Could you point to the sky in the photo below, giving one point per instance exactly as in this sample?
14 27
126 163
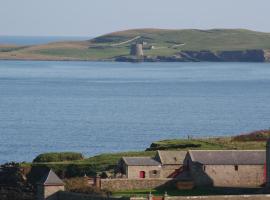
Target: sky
95 17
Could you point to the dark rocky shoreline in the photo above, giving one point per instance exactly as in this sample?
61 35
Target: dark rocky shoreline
256 55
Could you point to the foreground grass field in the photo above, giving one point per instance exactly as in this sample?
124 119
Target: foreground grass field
164 43
193 192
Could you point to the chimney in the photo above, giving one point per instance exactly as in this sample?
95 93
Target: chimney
97 182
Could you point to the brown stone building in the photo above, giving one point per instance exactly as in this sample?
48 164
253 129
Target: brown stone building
226 168
166 164
140 167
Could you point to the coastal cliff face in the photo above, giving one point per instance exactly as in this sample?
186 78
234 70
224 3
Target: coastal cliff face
256 55
225 56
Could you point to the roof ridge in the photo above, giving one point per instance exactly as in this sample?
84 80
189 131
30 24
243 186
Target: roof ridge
47 176
230 150
160 157
136 157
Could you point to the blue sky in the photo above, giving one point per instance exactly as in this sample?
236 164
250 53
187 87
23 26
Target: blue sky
95 17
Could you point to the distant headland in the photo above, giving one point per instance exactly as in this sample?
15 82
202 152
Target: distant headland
153 45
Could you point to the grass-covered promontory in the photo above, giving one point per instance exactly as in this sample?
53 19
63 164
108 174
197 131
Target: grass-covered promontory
161 42
58 157
107 162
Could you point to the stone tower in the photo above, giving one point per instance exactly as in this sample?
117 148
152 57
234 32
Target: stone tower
136 50
49 186
268 163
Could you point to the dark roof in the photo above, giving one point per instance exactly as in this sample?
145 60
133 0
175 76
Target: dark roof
172 157
140 161
229 157
51 179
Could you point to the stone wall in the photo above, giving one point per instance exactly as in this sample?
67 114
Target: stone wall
131 184
78 196
50 192
168 170
227 197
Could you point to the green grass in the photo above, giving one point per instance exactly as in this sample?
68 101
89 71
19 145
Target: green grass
58 157
108 161
215 39
169 191
10 49
221 143
85 54
193 192
89 166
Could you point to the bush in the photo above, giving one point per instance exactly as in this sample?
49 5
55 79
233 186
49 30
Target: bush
255 136
80 185
58 157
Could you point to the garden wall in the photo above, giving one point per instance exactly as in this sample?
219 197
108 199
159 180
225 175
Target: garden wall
77 196
132 184
224 197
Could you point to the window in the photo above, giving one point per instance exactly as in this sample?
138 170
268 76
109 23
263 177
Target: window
155 172
236 167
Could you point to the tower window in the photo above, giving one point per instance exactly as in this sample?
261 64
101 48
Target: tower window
236 167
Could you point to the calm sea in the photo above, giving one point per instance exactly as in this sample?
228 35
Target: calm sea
97 107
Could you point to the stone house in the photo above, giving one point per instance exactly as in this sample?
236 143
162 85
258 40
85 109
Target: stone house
49 186
140 167
171 162
226 168
166 164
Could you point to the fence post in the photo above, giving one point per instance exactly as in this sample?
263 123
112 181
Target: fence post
165 195
150 196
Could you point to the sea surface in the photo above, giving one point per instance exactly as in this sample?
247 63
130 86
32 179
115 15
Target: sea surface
97 107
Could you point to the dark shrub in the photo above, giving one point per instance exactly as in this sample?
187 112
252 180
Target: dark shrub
80 185
58 157
255 136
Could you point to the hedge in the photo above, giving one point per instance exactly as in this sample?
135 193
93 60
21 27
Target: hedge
58 157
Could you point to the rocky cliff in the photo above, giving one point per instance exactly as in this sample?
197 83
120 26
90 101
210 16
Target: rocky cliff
255 55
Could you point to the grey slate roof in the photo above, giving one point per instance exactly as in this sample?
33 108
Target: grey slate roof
229 157
140 161
172 157
51 179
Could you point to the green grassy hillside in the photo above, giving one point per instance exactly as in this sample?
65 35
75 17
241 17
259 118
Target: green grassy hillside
162 42
107 162
191 39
